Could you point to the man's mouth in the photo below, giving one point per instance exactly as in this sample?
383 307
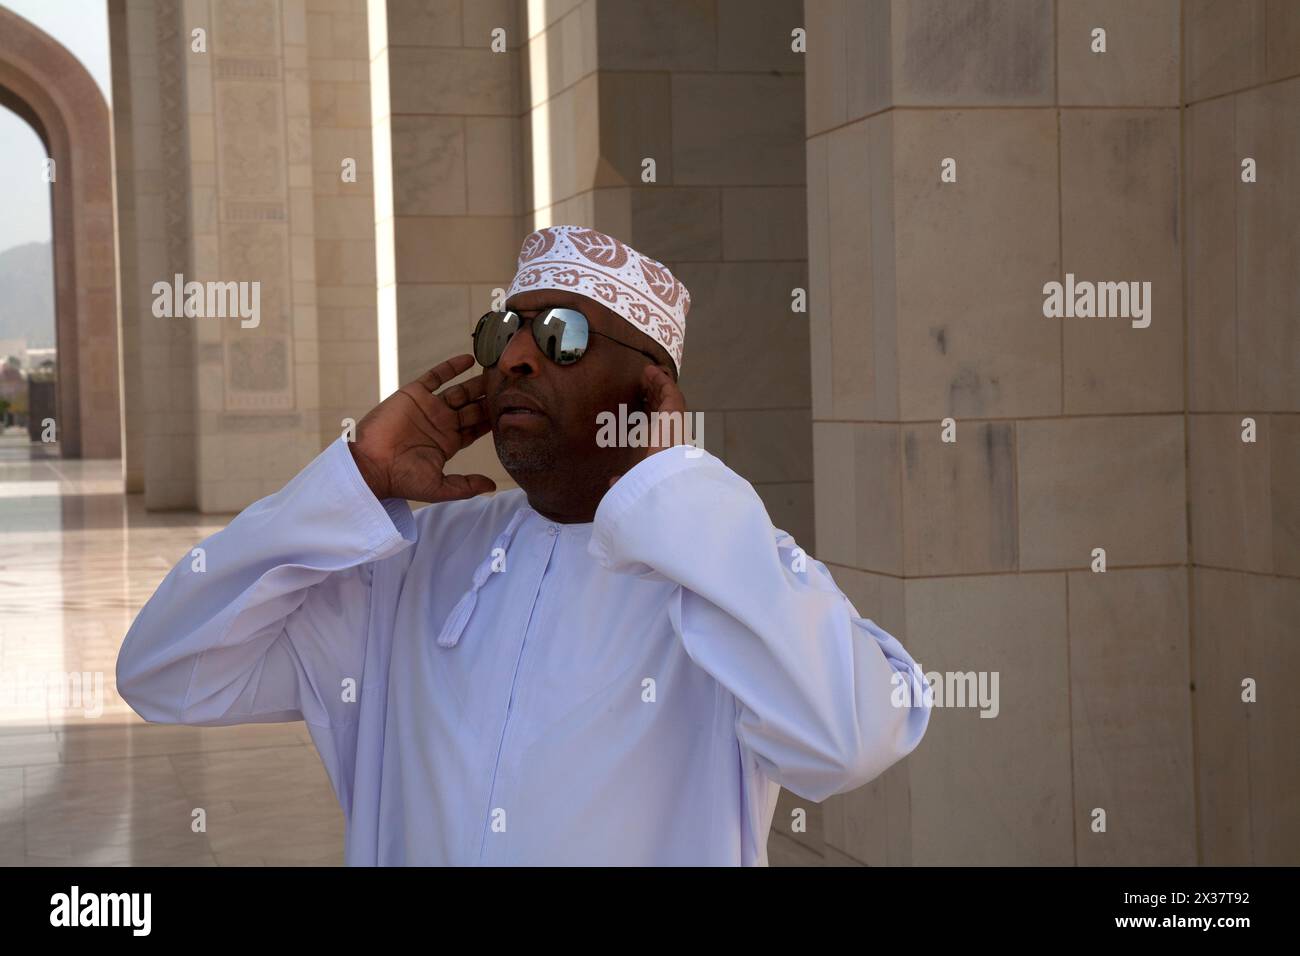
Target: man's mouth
516 408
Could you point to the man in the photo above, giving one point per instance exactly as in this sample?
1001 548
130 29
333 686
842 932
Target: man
616 663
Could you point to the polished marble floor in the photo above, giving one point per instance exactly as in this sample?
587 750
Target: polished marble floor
83 780
77 559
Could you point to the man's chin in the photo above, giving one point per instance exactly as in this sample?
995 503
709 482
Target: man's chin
522 455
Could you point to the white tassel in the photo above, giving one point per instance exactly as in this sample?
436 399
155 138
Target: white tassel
459 617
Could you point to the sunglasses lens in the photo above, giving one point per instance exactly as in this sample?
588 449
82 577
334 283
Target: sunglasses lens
561 335
492 335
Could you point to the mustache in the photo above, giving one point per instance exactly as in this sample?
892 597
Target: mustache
516 389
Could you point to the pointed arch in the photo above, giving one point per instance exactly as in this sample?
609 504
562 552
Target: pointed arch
48 87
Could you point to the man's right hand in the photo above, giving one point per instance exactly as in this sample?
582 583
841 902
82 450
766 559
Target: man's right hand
405 441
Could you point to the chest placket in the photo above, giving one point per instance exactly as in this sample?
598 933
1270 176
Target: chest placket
494 807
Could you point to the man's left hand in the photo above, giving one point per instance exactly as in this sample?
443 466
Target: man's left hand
662 398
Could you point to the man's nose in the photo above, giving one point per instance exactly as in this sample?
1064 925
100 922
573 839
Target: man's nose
521 356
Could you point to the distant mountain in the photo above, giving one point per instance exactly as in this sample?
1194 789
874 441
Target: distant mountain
27 294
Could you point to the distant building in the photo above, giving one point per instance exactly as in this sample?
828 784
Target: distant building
16 348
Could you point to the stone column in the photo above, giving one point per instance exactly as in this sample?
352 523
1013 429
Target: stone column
252 220
448 180
343 211
132 295
1242 94
959 160
152 175
231 168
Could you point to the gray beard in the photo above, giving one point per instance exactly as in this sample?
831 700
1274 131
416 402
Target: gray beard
522 457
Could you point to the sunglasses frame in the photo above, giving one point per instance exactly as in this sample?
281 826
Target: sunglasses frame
536 322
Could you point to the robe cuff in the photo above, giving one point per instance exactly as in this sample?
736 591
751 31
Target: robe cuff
386 518
636 483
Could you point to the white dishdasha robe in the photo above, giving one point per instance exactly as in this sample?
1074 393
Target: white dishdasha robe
488 687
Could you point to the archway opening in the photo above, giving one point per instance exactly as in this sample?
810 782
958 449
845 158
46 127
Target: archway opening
28 337
46 86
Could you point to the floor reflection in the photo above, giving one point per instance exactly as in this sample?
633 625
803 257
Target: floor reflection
83 780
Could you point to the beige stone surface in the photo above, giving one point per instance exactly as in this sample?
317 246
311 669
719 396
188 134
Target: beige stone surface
470 81
1282 46
424 23
825 100
768 445
1273 608
455 248
1247 776
1120 222
1112 483
873 824
636 118
1141 64
671 35
1213 190
818 304
976 343
1224 44
493 166
862 339
992 791
990 52
1221 620
744 348
734 129
1268 297
1130 703
959 499
1230 493
563 53
837 481
853 315
480 17
754 35
1284 489
796 821
859 498
429 165
764 223
687 223
1106 188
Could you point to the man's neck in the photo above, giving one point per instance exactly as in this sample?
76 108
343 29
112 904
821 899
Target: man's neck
570 503
581 517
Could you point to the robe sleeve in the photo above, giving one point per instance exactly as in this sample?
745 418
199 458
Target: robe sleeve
818 705
276 619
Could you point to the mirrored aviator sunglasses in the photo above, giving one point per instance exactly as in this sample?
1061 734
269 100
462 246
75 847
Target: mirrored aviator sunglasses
561 335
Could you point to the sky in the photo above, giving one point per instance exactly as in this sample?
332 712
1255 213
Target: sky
82 27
